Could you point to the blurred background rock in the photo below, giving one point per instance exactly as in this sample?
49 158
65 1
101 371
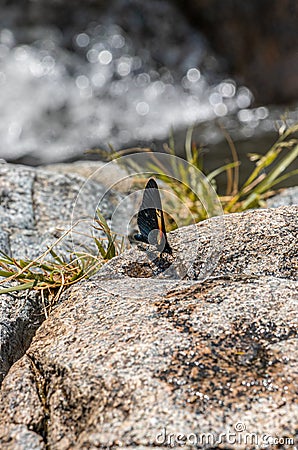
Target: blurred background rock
79 75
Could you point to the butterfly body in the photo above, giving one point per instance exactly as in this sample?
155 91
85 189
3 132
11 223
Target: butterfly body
151 220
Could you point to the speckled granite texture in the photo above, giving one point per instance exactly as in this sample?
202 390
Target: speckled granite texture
145 354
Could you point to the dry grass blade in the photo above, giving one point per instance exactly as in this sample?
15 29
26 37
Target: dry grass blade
232 171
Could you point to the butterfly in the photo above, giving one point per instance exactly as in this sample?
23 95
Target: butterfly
150 219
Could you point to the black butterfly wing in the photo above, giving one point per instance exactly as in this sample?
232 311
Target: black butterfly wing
147 217
150 218
147 221
151 197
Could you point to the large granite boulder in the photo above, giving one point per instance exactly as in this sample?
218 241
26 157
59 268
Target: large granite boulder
109 370
134 359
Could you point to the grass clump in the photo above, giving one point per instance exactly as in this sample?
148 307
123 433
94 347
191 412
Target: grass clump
50 276
270 170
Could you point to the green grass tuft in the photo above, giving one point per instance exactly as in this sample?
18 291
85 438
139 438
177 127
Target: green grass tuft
270 170
51 276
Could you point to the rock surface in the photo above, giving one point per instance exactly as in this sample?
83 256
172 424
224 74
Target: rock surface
95 171
253 243
287 197
123 359
36 207
116 370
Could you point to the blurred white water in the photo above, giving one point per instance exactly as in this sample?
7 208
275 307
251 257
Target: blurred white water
110 86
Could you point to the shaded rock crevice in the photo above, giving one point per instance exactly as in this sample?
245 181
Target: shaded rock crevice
41 387
34 206
24 426
22 316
